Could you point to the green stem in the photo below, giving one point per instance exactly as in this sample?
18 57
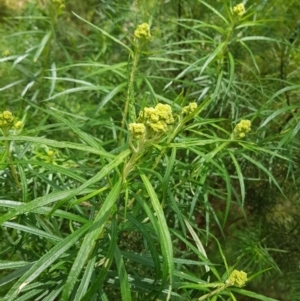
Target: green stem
224 49
216 291
11 165
129 110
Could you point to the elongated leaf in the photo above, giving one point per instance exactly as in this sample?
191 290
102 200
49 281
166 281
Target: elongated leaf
104 171
164 234
33 231
252 294
240 176
105 33
84 283
45 261
89 240
39 202
123 277
46 211
98 282
84 136
59 144
43 44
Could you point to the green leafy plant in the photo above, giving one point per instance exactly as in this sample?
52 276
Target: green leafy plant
145 155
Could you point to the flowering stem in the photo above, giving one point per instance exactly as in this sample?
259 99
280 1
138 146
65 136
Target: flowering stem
129 109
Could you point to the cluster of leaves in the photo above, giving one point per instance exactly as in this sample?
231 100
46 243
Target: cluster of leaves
89 213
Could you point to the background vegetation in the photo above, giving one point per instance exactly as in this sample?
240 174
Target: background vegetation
88 212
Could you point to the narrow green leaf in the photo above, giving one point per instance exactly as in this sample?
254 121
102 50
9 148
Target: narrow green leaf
38 202
84 281
89 240
33 231
252 294
59 144
164 234
42 45
123 277
7 265
105 33
98 282
45 261
240 176
84 136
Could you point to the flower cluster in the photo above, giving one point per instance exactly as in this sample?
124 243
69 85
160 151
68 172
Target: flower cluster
242 128
237 278
8 121
142 32
152 121
137 130
239 9
157 119
60 4
189 109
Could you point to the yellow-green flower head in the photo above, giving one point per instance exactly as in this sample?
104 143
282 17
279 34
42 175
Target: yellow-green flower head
137 130
18 125
59 5
157 119
190 108
159 126
237 278
50 153
149 114
8 116
165 113
6 52
142 32
239 9
242 128
6 119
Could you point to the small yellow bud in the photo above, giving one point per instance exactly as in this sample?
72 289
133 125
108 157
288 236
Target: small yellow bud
6 120
156 119
237 278
190 108
6 52
239 9
50 153
149 114
18 125
242 128
8 116
142 32
159 126
165 113
137 130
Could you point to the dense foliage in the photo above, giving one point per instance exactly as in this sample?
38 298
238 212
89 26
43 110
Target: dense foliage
149 150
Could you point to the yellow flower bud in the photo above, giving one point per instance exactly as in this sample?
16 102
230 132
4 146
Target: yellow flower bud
6 120
237 278
137 130
159 126
142 32
8 116
18 125
239 9
50 153
190 108
242 128
6 52
164 112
